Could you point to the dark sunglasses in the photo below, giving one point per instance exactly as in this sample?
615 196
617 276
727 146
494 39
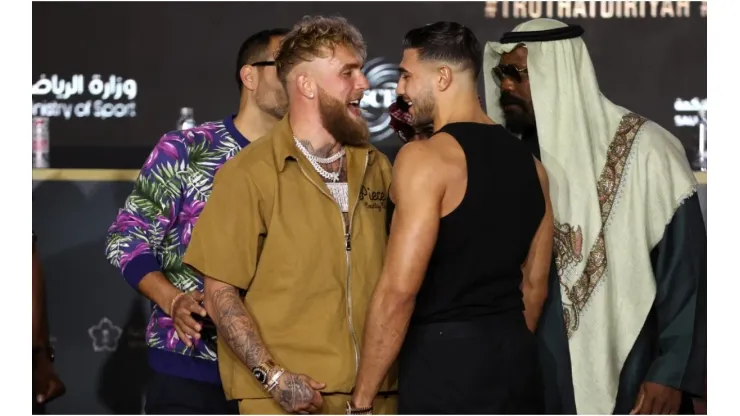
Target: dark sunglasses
263 63
508 71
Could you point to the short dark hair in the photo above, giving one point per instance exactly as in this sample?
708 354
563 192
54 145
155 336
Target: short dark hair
253 50
446 41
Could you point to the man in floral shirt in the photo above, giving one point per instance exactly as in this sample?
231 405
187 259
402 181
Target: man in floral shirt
150 235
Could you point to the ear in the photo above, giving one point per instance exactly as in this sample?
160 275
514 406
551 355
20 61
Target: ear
249 77
444 77
305 85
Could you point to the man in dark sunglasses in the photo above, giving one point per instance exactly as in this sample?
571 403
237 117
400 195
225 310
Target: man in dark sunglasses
516 100
624 327
149 237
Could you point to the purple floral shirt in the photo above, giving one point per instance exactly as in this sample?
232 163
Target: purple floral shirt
154 228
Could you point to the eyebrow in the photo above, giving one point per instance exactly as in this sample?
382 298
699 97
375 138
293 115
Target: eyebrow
353 65
403 70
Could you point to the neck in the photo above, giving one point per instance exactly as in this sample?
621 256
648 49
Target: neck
308 129
251 121
459 106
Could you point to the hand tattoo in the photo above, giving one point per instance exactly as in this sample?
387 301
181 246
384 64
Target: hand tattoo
237 327
294 393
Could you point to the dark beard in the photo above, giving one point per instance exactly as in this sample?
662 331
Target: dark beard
274 103
339 124
423 111
517 121
278 111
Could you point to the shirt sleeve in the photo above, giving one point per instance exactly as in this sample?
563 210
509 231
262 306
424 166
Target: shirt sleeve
681 302
228 236
147 216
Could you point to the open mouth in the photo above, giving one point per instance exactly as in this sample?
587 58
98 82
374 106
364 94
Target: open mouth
409 105
354 107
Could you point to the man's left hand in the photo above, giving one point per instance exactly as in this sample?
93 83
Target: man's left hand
47 384
656 399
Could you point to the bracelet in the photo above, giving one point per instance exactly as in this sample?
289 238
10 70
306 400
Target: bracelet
358 411
274 381
172 304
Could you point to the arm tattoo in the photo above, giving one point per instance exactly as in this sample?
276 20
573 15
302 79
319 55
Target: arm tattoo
238 328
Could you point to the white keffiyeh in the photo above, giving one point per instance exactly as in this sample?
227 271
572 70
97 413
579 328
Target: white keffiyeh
591 149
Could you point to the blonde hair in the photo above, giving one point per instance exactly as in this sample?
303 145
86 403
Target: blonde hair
316 37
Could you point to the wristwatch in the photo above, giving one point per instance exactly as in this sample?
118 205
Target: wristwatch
262 374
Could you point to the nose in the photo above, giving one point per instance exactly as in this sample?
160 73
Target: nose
401 87
362 83
507 84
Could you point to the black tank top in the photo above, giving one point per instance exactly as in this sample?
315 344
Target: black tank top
475 268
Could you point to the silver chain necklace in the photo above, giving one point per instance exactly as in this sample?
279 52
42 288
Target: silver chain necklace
317 161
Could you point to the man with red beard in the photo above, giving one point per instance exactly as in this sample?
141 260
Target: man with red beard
297 223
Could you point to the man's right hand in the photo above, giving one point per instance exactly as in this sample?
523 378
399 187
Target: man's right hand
188 328
298 393
47 385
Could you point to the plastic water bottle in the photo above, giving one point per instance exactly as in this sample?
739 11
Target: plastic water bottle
186 120
703 140
40 139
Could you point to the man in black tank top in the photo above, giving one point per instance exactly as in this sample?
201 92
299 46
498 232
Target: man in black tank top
465 273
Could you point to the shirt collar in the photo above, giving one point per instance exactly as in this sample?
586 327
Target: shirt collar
285 144
231 128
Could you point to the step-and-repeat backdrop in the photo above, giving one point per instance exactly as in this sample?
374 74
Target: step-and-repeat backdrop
117 74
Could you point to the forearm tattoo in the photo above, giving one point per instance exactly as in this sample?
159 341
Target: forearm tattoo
237 328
